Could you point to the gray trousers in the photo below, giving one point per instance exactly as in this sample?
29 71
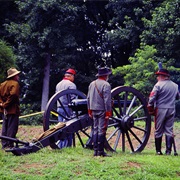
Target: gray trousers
99 129
10 129
164 121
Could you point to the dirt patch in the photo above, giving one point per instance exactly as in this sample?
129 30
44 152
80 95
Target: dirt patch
37 166
131 164
28 133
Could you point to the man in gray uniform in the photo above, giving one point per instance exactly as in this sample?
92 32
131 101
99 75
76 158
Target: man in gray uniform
99 108
162 103
66 83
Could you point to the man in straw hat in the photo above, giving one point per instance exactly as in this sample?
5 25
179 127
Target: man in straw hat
162 105
9 106
99 108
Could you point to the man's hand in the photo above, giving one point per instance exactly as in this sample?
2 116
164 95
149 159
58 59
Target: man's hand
151 110
108 115
90 113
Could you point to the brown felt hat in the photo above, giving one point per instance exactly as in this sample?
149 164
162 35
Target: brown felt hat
12 72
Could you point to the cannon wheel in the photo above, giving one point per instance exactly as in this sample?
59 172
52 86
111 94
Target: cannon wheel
51 115
130 125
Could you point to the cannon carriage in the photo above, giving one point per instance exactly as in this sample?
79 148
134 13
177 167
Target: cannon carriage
128 129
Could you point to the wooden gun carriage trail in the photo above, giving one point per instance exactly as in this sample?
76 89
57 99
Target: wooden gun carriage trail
128 130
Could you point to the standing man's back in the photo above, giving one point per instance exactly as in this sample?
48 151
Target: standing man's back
162 103
66 83
9 106
99 108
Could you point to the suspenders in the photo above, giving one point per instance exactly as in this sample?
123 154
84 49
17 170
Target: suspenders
100 94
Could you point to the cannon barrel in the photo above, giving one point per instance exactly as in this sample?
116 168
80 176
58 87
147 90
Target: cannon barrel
81 104
78 105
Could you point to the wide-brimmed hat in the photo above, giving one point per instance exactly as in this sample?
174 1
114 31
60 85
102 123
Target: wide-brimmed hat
104 71
163 72
12 72
71 71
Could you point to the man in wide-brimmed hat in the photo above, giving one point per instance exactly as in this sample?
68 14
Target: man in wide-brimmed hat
162 105
99 108
9 106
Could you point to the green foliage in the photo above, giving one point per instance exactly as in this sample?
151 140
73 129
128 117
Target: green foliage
163 31
7 59
139 74
126 26
28 117
55 29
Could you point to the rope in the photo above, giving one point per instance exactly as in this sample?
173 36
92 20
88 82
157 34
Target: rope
28 115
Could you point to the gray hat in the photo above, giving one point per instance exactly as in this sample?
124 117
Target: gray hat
12 72
104 71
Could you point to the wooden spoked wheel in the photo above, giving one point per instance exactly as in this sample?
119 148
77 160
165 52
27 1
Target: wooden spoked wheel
51 114
130 126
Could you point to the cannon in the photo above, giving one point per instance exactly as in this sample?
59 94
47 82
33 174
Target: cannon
128 129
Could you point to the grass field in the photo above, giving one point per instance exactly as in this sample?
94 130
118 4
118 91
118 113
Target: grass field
79 163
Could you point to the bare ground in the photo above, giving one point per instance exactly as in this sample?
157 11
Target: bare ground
28 133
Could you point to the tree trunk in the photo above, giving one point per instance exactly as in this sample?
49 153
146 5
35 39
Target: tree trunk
45 89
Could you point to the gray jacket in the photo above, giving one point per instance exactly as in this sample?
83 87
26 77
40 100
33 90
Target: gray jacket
99 95
64 85
164 94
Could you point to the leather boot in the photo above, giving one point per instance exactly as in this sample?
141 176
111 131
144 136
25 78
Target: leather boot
103 154
169 141
95 150
158 142
101 140
95 144
95 153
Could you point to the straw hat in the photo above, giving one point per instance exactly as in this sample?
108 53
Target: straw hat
12 72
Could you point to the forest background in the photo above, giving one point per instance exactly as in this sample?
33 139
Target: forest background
43 38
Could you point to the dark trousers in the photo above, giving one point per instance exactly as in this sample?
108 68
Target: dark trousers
10 129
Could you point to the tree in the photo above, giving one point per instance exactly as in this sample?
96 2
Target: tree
7 59
126 26
51 37
139 74
159 43
44 37
8 13
163 31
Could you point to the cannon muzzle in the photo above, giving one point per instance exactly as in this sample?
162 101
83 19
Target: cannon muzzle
79 105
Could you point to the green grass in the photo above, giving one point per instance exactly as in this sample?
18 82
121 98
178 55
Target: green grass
78 163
